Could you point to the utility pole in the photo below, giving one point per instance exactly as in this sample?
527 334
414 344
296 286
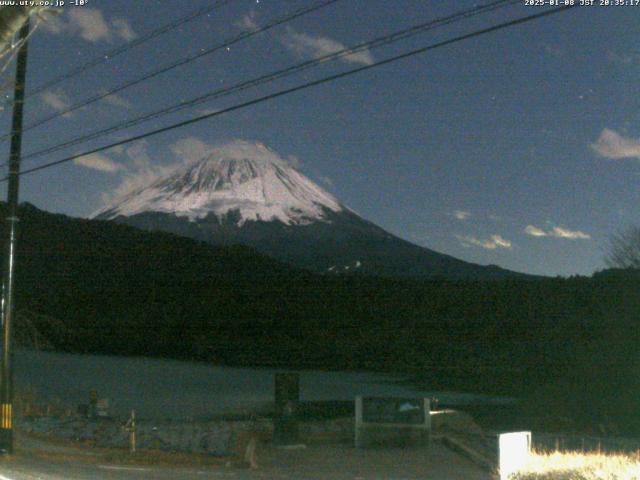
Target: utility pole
6 372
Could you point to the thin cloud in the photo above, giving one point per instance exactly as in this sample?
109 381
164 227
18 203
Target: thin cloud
554 50
612 145
556 232
248 22
138 154
118 149
116 100
122 28
207 111
461 215
326 180
242 149
90 25
623 58
560 232
493 243
142 172
52 22
99 162
500 242
134 181
57 100
313 46
190 149
535 231
294 161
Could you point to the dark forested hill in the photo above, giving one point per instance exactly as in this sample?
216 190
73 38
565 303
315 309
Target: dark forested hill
115 289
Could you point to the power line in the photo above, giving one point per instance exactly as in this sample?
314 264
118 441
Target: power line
130 45
191 58
223 92
304 86
122 49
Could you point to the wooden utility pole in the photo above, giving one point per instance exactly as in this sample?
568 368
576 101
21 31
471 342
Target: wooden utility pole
6 371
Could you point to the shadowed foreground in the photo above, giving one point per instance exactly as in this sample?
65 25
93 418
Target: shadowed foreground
48 461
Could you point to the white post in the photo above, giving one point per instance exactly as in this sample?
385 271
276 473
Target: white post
133 431
513 452
130 427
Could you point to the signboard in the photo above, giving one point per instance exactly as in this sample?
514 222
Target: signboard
102 407
392 421
409 411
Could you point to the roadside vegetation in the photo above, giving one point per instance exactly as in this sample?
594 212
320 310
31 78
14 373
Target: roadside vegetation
580 466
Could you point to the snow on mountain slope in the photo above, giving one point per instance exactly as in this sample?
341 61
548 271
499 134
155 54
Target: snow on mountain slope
243 193
241 176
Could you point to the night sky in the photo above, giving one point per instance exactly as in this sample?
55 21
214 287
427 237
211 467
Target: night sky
518 148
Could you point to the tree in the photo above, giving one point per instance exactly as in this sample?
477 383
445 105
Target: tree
624 249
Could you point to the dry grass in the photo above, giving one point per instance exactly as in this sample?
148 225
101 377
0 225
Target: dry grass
580 466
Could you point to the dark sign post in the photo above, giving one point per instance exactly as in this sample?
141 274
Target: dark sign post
285 428
6 372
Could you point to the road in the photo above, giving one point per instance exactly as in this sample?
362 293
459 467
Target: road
314 463
36 469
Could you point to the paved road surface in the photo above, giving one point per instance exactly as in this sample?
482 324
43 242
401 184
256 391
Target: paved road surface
315 463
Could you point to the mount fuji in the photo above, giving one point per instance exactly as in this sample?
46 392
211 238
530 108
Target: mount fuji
245 193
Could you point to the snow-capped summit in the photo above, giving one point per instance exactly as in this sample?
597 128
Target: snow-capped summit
243 177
